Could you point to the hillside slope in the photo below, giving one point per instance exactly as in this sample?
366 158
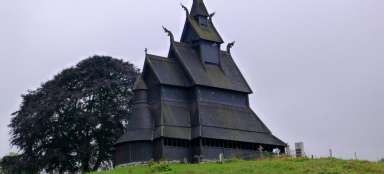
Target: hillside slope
272 166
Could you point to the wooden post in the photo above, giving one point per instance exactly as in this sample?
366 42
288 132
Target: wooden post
221 158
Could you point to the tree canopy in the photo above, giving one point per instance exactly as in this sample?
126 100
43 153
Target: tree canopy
11 164
71 122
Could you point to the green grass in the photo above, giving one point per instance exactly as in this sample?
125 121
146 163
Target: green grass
267 166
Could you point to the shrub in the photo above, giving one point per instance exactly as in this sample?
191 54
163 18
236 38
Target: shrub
266 155
159 167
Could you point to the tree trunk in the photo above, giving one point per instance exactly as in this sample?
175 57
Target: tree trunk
85 166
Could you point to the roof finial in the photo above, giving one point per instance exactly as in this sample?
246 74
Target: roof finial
229 46
211 16
185 8
170 34
146 51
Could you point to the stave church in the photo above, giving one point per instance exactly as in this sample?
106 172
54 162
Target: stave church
193 104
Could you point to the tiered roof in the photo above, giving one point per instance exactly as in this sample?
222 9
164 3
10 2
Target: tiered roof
184 69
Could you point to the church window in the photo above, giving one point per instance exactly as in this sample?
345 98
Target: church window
203 21
210 52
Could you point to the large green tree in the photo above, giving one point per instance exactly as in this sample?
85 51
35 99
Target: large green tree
71 122
11 164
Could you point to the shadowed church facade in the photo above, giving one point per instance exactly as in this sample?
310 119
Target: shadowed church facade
193 104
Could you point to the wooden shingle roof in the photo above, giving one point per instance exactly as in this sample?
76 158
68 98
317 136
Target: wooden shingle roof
167 71
209 33
199 9
225 76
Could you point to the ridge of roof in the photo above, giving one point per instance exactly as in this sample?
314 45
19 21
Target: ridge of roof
155 56
160 58
167 71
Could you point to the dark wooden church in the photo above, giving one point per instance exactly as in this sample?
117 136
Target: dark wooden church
193 104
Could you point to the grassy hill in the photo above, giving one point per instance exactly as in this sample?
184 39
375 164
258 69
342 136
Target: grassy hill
267 166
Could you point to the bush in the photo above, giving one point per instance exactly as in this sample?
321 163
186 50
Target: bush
266 155
159 167
11 164
382 160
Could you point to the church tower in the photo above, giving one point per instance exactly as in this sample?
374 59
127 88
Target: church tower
193 104
200 32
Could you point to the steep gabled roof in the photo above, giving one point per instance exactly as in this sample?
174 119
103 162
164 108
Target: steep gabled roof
199 9
226 76
192 26
209 33
140 84
167 71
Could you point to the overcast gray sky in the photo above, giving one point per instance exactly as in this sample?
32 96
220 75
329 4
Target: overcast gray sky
317 67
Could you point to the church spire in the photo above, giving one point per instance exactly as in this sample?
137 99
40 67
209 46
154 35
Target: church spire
199 25
201 34
199 9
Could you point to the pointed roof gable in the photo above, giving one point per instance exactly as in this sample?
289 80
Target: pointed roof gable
199 9
140 84
209 33
227 77
192 26
167 71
